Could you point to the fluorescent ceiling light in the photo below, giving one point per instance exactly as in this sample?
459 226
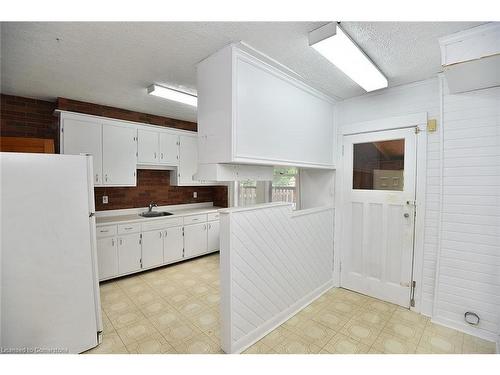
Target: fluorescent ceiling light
334 44
171 94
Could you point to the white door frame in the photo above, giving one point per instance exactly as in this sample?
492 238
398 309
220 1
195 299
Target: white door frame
412 120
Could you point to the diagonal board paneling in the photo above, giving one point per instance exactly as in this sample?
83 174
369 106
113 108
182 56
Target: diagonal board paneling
274 261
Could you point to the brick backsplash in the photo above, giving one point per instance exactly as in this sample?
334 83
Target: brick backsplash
32 118
154 186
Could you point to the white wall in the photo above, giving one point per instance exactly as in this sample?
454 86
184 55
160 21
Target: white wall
468 277
413 98
462 240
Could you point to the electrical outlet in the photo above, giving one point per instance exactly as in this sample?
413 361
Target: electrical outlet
104 199
195 194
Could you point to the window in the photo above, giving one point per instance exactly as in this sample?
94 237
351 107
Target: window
378 165
284 185
283 188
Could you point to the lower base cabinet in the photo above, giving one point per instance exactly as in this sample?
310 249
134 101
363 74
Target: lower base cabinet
195 239
152 248
129 253
213 241
107 257
173 245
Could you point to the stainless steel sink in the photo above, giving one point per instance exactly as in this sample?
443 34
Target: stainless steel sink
155 213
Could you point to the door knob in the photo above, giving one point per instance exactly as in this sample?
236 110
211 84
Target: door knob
406 215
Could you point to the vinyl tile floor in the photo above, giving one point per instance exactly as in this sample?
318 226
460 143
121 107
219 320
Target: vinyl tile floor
175 309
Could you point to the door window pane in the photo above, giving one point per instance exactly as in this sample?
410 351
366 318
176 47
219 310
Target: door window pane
379 165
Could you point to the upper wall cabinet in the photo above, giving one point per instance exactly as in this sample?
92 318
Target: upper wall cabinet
188 162
111 143
157 147
119 148
252 110
83 136
119 158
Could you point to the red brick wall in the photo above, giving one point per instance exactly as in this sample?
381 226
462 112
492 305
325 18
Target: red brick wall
154 186
123 114
24 117
30 118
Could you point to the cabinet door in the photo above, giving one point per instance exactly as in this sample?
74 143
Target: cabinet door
188 159
147 146
119 155
169 149
213 236
173 245
129 253
195 239
84 137
152 248
107 257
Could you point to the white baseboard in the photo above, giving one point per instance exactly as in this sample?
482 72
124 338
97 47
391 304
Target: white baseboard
276 321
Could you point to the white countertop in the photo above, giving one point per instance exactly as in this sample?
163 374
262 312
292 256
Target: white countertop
132 215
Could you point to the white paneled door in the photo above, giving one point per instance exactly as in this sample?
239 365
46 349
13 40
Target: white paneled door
379 214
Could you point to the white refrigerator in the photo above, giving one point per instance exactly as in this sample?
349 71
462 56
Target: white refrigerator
49 301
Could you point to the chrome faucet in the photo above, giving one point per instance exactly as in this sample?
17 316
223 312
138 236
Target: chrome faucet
151 205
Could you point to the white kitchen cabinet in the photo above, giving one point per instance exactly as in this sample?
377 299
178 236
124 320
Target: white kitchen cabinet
213 236
188 161
119 155
252 110
83 136
147 146
169 148
129 253
173 244
195 239
152 248
107 257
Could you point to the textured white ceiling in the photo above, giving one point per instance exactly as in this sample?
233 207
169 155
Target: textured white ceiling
113 63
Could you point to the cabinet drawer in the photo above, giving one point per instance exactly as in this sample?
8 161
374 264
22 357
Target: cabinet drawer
162 224
106 231
129 228
194 219
213 216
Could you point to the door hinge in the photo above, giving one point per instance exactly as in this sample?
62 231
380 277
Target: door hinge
417 130
134 173
412 299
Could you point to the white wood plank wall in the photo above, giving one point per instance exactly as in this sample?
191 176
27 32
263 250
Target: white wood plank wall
273 263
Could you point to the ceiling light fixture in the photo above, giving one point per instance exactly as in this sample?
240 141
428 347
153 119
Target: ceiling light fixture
334 44
171 94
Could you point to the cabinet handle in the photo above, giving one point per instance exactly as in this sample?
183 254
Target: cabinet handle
205 227
160 234
166 233
128 228
112 242
161 155
155 155
106 177
104 231
121 242
96 178
209 226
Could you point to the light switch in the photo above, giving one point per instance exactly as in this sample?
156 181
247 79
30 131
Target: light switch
104 199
